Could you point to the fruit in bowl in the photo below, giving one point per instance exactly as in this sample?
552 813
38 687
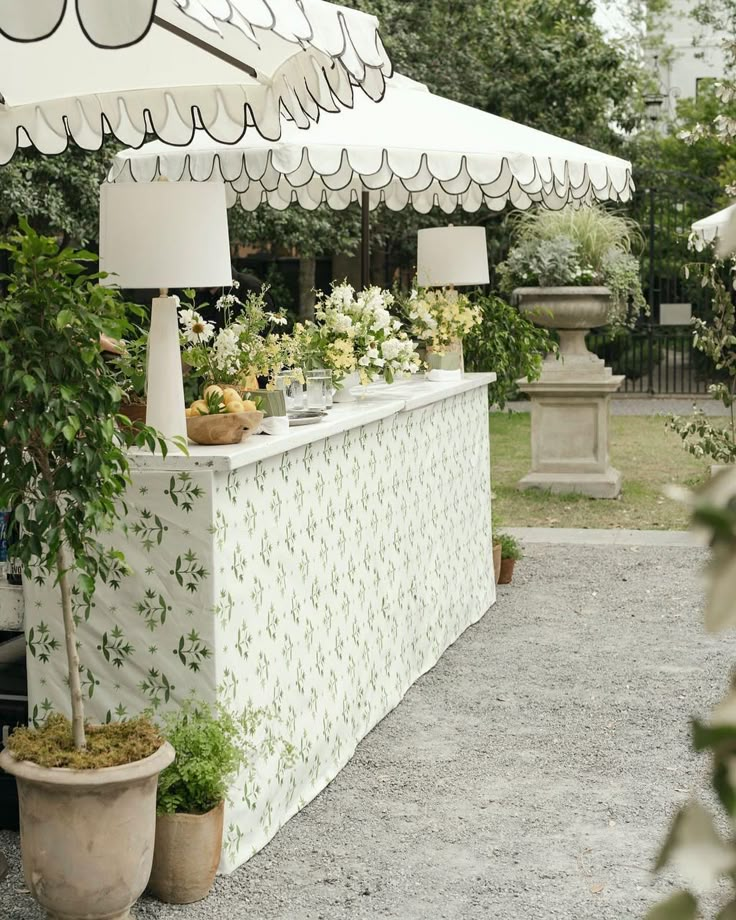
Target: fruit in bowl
222 417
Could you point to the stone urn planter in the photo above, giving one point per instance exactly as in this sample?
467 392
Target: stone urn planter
87 835
573 312
186 856
570 400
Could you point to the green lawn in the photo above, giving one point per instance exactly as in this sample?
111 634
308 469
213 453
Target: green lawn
647 455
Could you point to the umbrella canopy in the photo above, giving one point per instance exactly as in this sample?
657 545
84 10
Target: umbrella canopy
709 228
269 58
414 149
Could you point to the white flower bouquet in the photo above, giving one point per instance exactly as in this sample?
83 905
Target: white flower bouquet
245 346
355 332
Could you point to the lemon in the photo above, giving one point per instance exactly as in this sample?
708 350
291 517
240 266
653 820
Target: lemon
212 389
229 395
249 406
235 405
199 408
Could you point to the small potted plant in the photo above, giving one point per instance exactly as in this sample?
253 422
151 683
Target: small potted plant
212 746
496 555
575 269
510 554
441 320
87 793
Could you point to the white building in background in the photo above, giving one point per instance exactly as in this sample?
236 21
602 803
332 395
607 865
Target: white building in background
692 54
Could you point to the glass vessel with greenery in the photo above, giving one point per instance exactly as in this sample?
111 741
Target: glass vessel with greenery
578 247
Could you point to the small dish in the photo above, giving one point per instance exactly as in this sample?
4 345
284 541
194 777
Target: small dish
305 417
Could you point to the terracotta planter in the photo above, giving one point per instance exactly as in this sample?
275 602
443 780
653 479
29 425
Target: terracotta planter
497 560
186 856
507 571
136 412
87 835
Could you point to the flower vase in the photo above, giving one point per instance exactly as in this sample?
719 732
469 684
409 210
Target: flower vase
344 393
447 358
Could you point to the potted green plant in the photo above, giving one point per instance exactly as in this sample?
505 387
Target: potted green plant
212 745
496 556
575 269
510 554
87 793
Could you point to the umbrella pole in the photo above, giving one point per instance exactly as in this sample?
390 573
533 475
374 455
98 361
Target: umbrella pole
365 240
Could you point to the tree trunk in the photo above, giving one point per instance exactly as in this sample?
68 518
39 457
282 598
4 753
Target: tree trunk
307 282
70 636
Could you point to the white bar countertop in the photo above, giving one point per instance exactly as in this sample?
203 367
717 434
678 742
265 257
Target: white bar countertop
380 401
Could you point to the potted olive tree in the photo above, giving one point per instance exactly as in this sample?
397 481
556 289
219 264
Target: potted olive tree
212 746
575 269
87 793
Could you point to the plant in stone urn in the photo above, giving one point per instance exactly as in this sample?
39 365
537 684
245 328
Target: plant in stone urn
87 793
573 270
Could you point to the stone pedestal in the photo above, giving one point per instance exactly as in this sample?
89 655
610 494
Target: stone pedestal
570 412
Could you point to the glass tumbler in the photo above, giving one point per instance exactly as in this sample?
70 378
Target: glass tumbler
319 386
292 383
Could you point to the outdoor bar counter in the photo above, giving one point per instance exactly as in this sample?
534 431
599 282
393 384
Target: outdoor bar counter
314 575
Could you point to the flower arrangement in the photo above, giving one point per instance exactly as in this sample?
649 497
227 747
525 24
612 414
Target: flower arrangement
439 318
243 349
356 332
578 247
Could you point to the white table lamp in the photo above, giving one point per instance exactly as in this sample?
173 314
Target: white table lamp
165 235
452 257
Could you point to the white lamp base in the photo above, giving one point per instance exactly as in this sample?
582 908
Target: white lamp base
164 380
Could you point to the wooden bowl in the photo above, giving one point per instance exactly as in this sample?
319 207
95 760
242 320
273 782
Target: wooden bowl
226 428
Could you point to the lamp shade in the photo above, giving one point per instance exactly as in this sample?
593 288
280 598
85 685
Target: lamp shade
452 256
165 235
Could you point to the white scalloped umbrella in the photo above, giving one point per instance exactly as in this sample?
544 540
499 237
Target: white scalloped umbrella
710 228
138 67
414 149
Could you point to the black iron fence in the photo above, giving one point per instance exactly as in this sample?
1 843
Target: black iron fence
656 360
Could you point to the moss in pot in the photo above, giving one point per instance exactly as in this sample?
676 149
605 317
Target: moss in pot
212 745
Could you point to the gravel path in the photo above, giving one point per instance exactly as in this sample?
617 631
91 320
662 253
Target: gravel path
642 405
530 774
